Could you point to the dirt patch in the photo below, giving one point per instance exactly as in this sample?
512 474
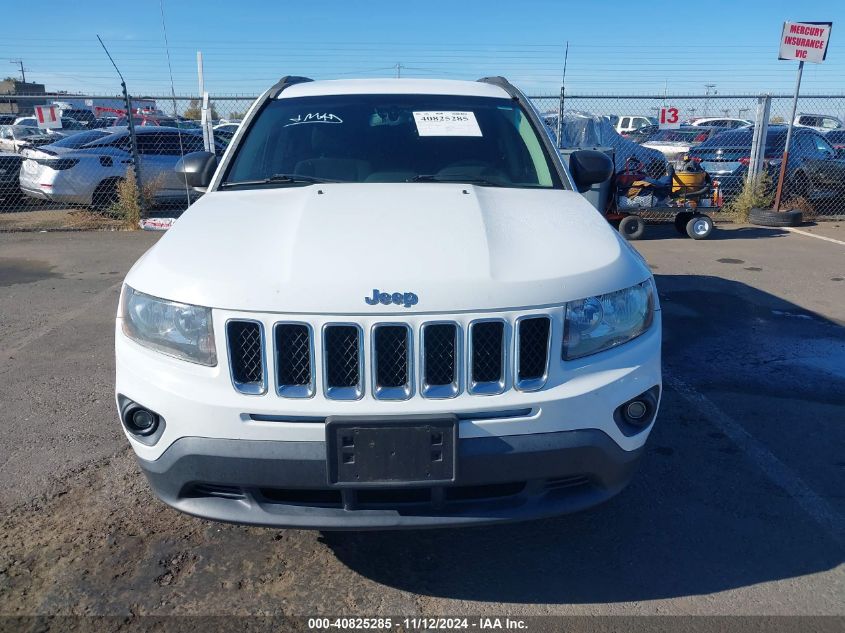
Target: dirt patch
52 219
101 544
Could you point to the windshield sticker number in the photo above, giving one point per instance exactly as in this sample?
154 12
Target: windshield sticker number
314 117
447 124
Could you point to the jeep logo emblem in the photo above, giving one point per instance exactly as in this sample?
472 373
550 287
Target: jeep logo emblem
406 299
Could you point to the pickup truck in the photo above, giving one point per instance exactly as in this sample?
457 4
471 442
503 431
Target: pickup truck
392 308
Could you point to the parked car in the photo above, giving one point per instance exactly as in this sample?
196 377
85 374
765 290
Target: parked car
813 164
392 292
836 138
225 131
86 117
13 138
89 174
642 134
28 121
628 123
10 166
721 122
8 119
820 122
673 144
64 144
103 122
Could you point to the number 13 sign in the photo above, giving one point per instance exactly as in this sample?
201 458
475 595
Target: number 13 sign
669 119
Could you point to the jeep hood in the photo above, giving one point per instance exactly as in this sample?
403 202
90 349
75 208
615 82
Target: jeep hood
324 248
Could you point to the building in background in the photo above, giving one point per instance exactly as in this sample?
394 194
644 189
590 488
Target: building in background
10 88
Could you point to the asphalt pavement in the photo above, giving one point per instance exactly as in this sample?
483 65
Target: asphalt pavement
737 509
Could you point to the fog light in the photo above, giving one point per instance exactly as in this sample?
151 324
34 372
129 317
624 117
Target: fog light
638 413
143 421
636 410
140 421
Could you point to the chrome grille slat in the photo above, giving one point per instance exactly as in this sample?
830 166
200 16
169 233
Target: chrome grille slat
247 362
391 359
487 357
533 338
343 361
439 360
294 348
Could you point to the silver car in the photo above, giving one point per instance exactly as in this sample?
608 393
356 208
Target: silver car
90 174
13 138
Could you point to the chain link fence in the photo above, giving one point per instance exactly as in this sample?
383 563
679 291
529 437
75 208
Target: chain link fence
81 175
814 179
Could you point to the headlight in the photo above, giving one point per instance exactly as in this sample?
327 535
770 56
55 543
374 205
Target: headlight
599 323
176 329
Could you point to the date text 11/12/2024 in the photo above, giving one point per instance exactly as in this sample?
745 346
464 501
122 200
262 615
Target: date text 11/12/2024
417 624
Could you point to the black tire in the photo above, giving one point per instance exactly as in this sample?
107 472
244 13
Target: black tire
767 217
632 227
681 220
699 226
105 195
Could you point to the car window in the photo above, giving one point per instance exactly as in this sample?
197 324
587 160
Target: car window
831 124
822 145
169 144
78 140
625 122
395 138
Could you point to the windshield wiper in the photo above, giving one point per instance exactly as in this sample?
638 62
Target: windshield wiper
279 179
470 180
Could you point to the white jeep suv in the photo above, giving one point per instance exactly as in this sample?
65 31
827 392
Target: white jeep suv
392 308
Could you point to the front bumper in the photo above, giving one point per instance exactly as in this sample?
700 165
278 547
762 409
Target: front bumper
285 484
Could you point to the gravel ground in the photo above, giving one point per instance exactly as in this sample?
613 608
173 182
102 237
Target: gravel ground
737 509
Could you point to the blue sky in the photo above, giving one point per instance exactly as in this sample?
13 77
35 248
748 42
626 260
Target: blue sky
614 46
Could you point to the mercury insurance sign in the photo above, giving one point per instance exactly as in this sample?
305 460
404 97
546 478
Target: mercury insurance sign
805 41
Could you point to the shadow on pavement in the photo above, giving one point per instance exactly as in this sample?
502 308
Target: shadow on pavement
699 517
666 231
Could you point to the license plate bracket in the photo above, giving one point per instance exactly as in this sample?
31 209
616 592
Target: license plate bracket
394 451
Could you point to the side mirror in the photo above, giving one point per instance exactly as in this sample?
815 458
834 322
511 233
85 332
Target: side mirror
839 152
197 168
589 167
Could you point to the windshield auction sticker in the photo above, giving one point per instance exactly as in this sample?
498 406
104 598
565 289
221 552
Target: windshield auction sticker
447 124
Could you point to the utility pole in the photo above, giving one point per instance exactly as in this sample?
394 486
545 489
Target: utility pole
19 62
399 70
707 89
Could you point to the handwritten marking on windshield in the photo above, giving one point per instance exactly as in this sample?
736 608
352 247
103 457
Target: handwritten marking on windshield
314 117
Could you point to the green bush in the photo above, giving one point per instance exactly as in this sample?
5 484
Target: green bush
756 193
126 207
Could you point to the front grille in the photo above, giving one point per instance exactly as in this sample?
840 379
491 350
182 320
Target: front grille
492 354
294 360
532 352
343 361
246 356
440 360
391 362
487 359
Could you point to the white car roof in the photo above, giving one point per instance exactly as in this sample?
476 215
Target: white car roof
393 86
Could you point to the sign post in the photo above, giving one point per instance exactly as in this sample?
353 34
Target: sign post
803 41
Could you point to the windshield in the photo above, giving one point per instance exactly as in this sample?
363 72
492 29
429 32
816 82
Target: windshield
393 138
